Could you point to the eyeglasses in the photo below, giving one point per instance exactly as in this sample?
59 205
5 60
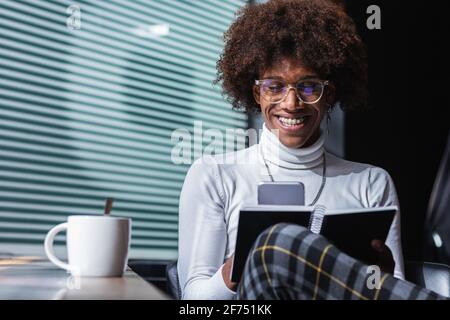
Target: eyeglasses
307 91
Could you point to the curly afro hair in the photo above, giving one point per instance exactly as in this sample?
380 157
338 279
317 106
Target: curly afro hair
318 33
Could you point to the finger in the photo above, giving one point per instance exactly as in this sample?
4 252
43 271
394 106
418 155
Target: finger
386 259
377 245
383 250
386 254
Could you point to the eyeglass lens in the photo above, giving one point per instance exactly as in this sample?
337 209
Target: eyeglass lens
307 91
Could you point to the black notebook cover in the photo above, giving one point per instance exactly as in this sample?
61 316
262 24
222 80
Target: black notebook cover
254 220
353 232
349 230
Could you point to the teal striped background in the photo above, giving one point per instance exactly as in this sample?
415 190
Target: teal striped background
88 114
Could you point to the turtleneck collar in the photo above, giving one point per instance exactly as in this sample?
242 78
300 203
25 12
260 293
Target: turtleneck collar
278 154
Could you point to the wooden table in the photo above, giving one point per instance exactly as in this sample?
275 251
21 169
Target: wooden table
41 280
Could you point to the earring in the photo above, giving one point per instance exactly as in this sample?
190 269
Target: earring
328 118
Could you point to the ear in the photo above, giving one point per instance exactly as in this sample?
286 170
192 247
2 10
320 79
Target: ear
256 94
330 94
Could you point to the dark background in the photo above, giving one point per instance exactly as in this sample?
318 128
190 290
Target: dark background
406 128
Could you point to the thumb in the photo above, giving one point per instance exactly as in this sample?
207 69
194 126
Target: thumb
377 245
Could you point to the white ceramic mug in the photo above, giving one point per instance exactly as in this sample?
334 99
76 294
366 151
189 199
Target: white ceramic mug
97 246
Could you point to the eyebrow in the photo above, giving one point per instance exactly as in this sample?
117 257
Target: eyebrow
306 77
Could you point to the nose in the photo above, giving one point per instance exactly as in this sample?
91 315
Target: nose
291 102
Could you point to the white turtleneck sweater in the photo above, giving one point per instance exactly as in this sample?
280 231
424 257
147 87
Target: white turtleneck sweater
216 187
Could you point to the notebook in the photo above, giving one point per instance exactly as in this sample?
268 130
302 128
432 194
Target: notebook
350 230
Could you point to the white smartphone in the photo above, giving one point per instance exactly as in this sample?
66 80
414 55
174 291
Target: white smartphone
281 193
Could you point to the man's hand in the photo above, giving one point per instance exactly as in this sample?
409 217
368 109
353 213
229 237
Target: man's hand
385 259
226 273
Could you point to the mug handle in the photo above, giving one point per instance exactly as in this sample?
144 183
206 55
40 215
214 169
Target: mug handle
48 245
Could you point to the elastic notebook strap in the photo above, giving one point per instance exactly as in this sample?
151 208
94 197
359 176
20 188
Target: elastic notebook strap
316 219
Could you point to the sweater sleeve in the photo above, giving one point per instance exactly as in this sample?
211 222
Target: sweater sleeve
202 234
383 193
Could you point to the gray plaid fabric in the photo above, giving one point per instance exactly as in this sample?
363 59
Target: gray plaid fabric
290 262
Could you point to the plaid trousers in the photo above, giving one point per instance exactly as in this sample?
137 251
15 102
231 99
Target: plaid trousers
290 262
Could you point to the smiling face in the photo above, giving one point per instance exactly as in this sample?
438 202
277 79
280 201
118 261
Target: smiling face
298 123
